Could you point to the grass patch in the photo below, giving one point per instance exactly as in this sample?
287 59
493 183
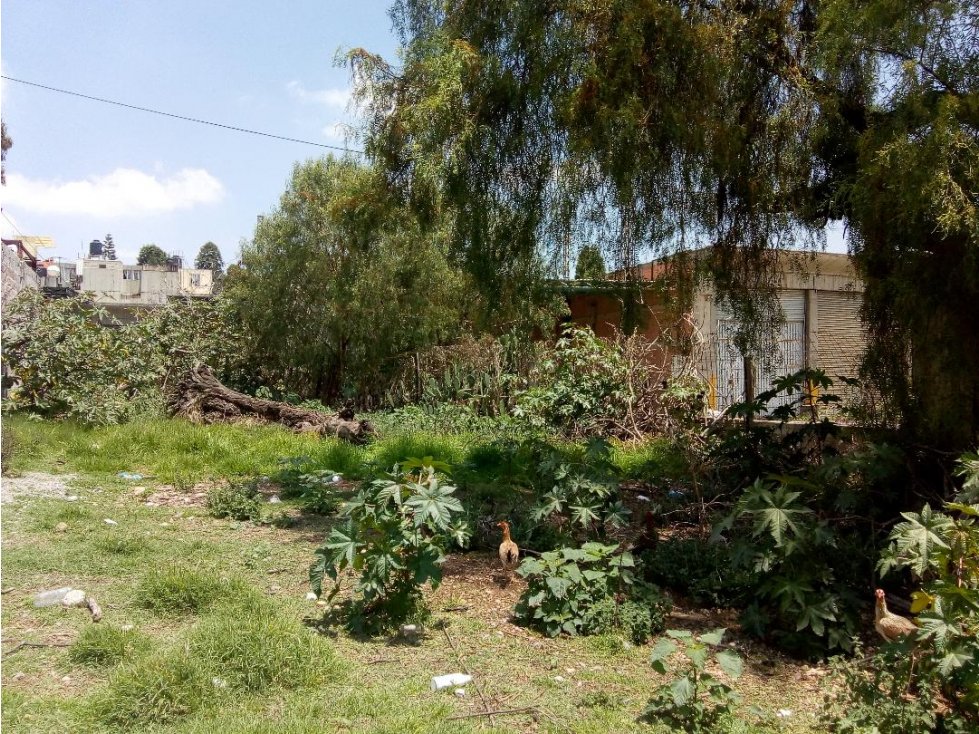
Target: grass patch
154 690
175 590
104 645
255 648
385 454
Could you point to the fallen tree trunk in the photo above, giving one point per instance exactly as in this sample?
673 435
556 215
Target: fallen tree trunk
200 397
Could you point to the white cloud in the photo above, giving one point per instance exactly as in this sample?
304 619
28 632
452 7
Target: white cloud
336 97
125 192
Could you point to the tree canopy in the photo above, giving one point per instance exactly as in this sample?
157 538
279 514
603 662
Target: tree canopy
109 248
653 127
590 264
209 258
339 284
151 255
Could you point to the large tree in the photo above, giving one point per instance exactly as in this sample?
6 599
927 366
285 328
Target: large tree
151 255
339 285
209 258
656 126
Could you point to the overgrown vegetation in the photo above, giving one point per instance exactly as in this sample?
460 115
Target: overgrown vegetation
395 538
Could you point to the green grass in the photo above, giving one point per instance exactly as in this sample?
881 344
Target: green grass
213 598
177 590
105 645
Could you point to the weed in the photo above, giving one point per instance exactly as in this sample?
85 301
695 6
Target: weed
104 645
237 501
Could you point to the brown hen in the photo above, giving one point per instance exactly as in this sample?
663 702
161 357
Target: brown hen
890 626
509 552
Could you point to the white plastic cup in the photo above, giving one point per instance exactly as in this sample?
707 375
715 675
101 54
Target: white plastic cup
452 680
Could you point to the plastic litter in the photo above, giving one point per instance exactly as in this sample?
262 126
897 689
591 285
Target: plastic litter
783 713
274 499
132 476
74 598
107 521
52 597
311 596
460 692
72 498
452 680
642 498
335 478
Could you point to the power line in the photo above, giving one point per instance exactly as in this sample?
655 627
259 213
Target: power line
180 117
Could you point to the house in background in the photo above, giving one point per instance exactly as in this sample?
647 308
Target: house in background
820 297
113 283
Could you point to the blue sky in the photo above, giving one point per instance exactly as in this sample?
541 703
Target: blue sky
80 169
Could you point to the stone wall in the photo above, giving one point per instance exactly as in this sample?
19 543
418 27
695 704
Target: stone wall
16 275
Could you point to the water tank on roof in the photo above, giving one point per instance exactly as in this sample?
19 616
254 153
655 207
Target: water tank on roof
95 248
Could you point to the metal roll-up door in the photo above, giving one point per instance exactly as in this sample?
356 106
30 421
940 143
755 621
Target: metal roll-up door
840 337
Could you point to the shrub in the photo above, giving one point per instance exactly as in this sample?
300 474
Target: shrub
638 618
696 701
699 569
941 552
236 500
582 387
104 645
395 537
564 585
181 591
72 359
582 494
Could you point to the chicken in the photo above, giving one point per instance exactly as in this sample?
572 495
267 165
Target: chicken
509 552
890 626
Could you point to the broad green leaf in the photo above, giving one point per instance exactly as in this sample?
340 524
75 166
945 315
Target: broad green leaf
730 662
713 637
682 690
662 650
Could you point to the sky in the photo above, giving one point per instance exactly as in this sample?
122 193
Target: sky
80 169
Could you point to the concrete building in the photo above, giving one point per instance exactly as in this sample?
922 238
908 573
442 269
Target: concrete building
17 268
113 283
820 296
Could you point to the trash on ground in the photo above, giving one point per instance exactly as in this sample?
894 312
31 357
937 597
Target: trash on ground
410 630
452 680
274 499
783 713
51 597
107 521
132 476
311 596
460 692
74 598
219 682
72 498
642 498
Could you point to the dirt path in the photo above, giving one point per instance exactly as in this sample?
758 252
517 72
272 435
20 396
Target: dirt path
35 484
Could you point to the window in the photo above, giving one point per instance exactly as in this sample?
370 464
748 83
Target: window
132 274
195 280
101 267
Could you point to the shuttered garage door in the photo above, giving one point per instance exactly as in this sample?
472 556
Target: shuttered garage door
839 335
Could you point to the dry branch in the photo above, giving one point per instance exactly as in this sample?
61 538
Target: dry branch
199 396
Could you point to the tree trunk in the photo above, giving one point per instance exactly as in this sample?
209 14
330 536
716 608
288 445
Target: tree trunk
201 397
